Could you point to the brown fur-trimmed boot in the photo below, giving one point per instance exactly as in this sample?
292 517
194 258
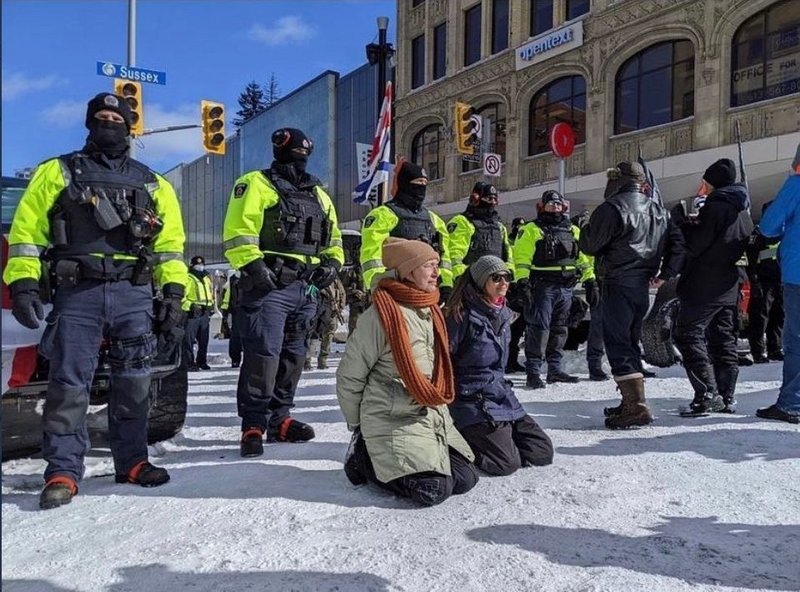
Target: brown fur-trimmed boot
634 410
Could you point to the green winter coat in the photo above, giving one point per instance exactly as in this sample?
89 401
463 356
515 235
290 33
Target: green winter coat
402 437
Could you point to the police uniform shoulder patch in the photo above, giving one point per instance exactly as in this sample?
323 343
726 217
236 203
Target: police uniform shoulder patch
239 190
368 221
452 227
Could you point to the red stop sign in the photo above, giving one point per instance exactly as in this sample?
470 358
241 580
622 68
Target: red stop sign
562 140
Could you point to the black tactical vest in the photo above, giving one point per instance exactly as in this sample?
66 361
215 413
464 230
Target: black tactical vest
556 248
98 210
486 240
415 225
297 224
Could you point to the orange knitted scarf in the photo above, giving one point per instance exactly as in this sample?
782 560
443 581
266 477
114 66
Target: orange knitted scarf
439 390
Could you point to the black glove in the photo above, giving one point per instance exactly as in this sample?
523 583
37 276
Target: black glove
444 294
592 293
27 306
325 274
171 318
259 277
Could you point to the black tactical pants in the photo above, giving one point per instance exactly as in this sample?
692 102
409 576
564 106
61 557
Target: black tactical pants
766 316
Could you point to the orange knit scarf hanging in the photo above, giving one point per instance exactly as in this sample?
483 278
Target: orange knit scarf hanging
439 390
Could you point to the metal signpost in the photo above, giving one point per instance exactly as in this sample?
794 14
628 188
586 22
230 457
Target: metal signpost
562 143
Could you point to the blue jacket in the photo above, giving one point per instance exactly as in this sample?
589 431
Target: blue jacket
479 350
782 220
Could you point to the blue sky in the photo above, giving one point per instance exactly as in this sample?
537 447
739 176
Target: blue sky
210 49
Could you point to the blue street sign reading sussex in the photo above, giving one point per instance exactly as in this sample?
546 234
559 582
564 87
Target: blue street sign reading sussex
131 73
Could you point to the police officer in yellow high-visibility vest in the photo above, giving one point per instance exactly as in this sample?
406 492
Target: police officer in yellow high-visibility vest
110 227
281 231
405 217
548 260
199 306
478 231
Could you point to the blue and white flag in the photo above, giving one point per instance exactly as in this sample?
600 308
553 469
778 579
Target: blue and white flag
379 163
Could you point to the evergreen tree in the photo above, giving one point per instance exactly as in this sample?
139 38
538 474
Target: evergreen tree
251 102
273 93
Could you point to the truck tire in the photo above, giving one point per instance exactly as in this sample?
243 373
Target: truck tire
168 401
658 326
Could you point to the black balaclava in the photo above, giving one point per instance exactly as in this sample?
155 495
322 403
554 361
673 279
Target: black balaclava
283 142
552 196
408 193
479 208
106 136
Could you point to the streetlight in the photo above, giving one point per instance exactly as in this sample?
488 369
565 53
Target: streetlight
379 53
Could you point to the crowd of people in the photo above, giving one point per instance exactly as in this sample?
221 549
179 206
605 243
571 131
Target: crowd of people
437 311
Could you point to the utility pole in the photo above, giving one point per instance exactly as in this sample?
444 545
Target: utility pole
132 58
379 54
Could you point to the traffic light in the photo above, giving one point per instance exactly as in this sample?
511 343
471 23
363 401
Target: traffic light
132 93
213 126
466 128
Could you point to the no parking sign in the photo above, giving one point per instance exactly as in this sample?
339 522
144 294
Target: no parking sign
491 164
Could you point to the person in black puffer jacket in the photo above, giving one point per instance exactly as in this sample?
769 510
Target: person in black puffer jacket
705 331
485 410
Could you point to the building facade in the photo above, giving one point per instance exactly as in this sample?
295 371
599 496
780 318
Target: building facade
669 78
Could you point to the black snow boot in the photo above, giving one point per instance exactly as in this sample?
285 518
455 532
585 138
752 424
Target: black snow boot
58 491
144 474
560 376
597 375
726 377
291 430
772 412
534 381
252 443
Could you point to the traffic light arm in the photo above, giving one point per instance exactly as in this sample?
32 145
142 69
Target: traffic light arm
171 128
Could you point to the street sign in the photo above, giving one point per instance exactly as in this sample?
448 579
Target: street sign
491 164
131 73
562 140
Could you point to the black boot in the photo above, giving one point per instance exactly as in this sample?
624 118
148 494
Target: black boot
559 376
58 491
290 430
144 474
514 366
534 381
596 374
772 412
252 443
726 385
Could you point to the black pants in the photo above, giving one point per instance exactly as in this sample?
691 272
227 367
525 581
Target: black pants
766 316
624 307
426 488
546 326
705 334
517 331
197 330
594 343
503 447
235 342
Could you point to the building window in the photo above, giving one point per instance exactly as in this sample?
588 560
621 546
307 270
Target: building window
541 16
418 61
494 119
439 51
472 35
576 8
563 100
655 86
766 55
499 25
427 151
416 3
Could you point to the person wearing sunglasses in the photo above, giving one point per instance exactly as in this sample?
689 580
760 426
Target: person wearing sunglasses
485 410
548 264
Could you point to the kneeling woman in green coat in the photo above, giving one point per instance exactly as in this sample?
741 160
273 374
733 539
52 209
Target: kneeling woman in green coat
395 381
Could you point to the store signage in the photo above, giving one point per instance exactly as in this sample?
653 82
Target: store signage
550 44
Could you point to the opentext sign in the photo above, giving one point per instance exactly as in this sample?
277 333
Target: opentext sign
550 45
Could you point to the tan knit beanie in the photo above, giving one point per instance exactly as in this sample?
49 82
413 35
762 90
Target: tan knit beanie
405 256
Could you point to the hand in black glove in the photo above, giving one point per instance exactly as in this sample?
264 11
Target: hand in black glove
27 306
171 318
325 274
444 294
592 293
518 296
258 277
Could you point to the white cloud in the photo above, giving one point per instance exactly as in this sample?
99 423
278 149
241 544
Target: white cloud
287 29
164 150
65 114
18 84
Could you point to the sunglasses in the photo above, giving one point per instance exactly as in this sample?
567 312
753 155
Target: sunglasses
501 277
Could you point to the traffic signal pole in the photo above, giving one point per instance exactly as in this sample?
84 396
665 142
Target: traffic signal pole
132 58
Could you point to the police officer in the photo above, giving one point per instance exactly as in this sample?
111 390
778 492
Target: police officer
329 315
516 302
478 231
548 265
765 309
353 282
112 227
281 232
230 298
199 305
405 217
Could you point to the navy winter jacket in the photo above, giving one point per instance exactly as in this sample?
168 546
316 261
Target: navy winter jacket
479 350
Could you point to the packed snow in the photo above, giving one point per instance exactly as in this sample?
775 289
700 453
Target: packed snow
707 503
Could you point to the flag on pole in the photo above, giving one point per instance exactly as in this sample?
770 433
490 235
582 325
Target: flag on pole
379 164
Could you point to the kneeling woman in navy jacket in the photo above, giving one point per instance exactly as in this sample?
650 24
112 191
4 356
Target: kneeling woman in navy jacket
485 410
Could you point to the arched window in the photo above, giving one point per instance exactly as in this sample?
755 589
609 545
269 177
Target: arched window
563 100
494 115
428 152
655 86
765 53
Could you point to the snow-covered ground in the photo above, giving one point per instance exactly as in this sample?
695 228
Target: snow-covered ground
687 504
